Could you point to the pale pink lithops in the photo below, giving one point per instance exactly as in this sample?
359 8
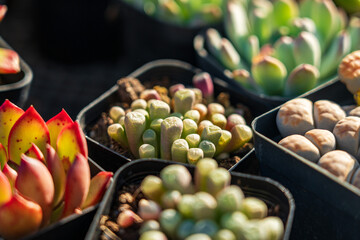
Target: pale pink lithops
301 146
323 139
295 117
338 163
327 114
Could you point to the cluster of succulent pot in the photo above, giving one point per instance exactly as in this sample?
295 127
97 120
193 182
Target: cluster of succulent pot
182 13
188 133
206 207
324 133
281 47
9 59
45 174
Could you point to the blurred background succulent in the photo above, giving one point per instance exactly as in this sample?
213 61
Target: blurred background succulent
350 6
282 47
184 12
9 59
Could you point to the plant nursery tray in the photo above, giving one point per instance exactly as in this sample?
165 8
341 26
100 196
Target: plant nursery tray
17 85
73 227
174 70
326 207
260 102
273 193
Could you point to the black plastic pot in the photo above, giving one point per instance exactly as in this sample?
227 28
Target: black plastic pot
326 208
73 227
148 38
260 103
18 85
249 164
175 71
273 193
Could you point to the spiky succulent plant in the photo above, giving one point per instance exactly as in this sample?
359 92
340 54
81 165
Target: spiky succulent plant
182 13
282 47
185 132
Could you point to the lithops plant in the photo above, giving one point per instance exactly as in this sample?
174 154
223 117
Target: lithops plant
349 72
182 13
333 139
45 174
185 129
204 206
283 47
300 115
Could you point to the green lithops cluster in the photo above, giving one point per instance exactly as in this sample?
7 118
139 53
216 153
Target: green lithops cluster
185 130
283 47
182 13
206 208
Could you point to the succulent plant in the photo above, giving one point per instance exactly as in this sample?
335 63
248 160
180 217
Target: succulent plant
282 47
183 13
9 59
351 6
45 175
214 210
184 131
322 132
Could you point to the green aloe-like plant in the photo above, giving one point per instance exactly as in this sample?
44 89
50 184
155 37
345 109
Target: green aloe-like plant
282 47
182 13
44 171
186 131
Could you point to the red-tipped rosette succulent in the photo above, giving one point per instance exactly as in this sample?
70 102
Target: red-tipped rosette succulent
45 174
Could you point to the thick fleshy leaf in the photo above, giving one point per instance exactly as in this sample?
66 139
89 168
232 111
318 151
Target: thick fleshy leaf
269 73
3 10
56 169
237 24
11 174
5 189
56 124
9 61
35 152
56 213
3 157
77 185
98 186
71 141
29 128
34 181
9 114
19 217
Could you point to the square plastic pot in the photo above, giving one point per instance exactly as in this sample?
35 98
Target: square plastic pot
273 193
326 207
260 103
18 87
249 164
176 71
